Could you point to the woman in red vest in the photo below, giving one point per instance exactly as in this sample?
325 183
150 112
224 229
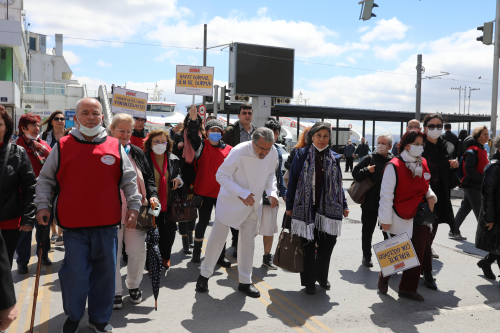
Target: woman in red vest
405 185
210 153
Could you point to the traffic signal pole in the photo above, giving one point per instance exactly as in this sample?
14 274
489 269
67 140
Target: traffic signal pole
494 95
419 86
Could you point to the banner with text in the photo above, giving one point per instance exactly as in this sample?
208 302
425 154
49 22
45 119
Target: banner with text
396 254
129 101
194 80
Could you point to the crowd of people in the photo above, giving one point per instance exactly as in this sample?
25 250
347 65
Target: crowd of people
123 172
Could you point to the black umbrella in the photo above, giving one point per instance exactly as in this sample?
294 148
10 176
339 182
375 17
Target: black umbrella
154 260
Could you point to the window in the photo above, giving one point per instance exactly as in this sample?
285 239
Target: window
6 66
33 43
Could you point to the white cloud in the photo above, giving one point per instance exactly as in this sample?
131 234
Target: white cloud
101 63
392 51
363 29
262 11
386 30
71 58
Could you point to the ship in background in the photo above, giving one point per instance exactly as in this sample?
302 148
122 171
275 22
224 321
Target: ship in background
160 112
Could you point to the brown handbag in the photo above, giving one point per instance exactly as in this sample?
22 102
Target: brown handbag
358 189
144 219
181 210
289 253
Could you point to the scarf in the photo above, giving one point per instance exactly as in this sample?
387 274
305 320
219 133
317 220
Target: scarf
188 152
413 163
330 210
39 150
162 191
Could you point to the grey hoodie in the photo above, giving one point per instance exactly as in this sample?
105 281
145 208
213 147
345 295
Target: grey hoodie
46 181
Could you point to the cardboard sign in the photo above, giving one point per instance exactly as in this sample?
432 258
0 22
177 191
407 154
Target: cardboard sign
129 101
396 254
194 80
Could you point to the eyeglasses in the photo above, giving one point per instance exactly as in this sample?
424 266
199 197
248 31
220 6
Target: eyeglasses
157 142
243 113
122 131
59 118
141 120
432 126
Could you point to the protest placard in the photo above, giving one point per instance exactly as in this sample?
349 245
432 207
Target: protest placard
194 80
129 101
396 254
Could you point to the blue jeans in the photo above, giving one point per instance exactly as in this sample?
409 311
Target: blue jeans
23 248
88 270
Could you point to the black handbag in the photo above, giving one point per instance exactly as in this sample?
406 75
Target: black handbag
424 215
289 253
181 210
144 219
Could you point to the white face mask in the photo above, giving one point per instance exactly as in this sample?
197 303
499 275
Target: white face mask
320 150
435 133
89 131
381 149
416 150
159 149
31 137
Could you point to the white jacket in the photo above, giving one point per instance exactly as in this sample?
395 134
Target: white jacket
243 173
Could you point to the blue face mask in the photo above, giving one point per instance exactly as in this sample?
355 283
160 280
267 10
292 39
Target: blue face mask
215 136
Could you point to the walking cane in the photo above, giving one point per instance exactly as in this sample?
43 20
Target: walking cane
37 278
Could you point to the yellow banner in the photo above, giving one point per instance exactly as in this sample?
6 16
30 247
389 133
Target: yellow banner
130 102
190 80
396 254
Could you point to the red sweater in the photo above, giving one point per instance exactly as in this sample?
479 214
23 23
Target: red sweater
35 163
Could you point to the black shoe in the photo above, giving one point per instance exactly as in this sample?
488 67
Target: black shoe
325 285
434 254
191 239
267 260
135 295
46 262
486 267
222 259
235 251
197 251
185 245
311 290
367 262
429 281
22 268
249 289
118 303
100 327
71 326
202 284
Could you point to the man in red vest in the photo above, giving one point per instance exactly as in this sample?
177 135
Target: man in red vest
82 179
139 134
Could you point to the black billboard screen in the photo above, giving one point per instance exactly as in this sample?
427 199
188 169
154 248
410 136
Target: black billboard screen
258 70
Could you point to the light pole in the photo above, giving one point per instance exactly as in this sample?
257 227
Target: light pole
471 89
459 100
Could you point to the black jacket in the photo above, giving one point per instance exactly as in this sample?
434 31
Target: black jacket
7 292
361 171
149 177
489 240
362 150
473 179
18 186
232 134
174 170
187 169
289 160
450 137
460 149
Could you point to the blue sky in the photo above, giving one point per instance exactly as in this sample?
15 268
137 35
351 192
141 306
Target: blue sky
326 32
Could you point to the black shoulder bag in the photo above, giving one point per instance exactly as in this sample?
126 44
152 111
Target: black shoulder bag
4 169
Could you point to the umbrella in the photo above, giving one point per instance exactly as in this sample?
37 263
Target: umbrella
154 259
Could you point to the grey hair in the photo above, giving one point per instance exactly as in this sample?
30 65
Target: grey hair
320 125
85 99
388 137
263 132
118 118
496 142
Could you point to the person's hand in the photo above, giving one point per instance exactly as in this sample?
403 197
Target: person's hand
289 213
155 201
274 201
25 228
41 214
371 168
431 202
346 212
180 144
385 227
490 225
453 164
131 219
176 182
249 201
7 316
193 114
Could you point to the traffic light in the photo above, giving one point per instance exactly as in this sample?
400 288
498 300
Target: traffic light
487 37
224 98
366 8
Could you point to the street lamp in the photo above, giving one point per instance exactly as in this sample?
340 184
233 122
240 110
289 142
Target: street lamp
459 100
471 89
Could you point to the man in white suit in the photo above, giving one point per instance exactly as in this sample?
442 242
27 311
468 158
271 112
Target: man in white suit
247 172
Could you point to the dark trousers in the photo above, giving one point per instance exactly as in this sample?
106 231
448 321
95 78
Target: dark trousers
316 265
167 231
369 221
427 263
491 257
236 234
349 162
204 214
11 237
411 277
24 245
184 227
471 201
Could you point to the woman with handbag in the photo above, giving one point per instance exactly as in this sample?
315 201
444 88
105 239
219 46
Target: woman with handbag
405 185
316 203
167 174
210 153
121 127
371 167
440 158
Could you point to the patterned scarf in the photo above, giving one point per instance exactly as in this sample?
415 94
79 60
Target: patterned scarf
330 210
413 163
38 149
163 190
188 152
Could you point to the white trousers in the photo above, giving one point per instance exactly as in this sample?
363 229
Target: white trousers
246 246
135 246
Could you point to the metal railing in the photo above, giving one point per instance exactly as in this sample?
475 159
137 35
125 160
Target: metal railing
44 88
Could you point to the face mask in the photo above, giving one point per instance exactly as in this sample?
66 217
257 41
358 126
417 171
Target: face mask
89 131
215 137
159 149
381 148
31 137
348 143
416 150
435 133
320 150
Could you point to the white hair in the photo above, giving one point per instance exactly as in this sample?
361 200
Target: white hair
388 137
119 117
263 132
85 99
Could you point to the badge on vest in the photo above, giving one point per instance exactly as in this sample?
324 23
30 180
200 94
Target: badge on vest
110 160
427 176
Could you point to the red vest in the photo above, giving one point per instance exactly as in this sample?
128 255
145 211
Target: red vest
88 179
207 166
483 160
409 191
139 142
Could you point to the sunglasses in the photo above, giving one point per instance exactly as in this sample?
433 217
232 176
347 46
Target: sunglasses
59 118
432 126
141 120
243 113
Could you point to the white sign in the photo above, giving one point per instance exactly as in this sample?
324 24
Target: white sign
396 254
194 80
129 101
43 113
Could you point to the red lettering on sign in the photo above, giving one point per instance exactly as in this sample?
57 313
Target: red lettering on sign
400 265
194 70
130 93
